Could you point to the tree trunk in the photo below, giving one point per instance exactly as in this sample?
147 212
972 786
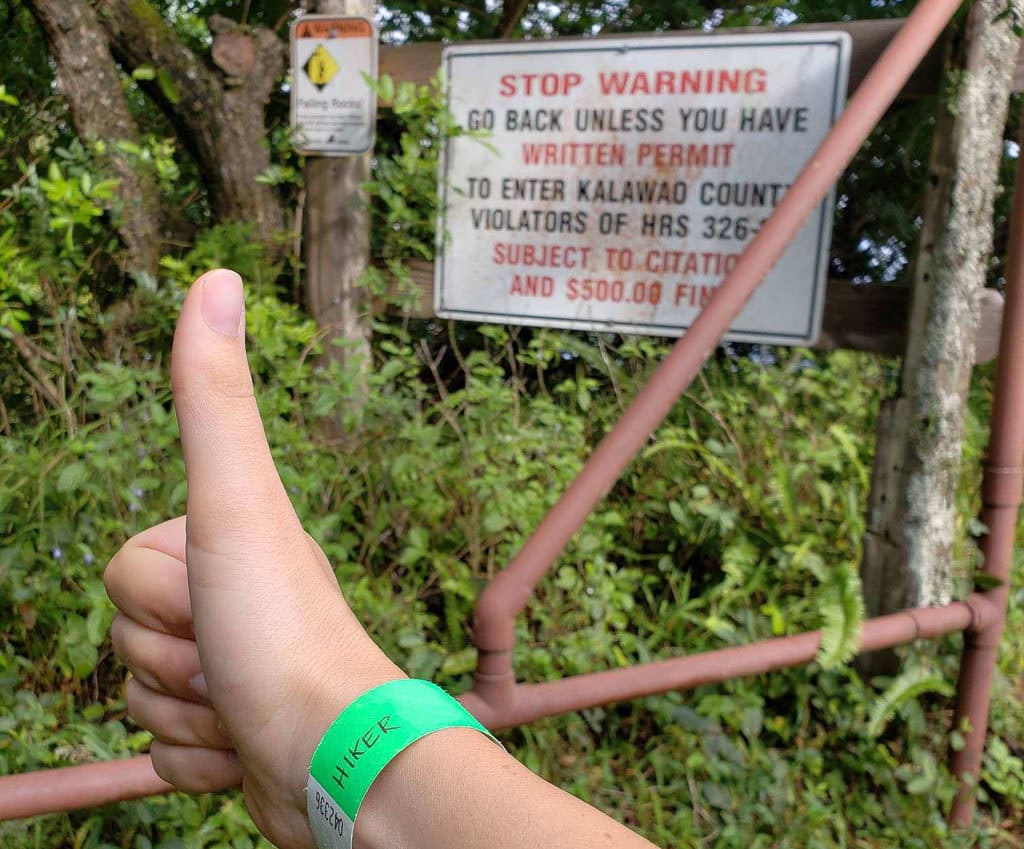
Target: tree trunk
89 81
512 12
337 239
217 108
911 522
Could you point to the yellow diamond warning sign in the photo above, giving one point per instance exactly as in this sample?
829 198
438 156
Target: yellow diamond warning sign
333 106
320 67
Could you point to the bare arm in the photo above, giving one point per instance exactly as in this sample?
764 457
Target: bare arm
457 790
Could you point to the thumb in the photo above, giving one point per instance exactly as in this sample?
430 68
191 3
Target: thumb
278 646
238 511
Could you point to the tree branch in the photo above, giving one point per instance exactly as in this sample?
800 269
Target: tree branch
512 12
219 114
90 83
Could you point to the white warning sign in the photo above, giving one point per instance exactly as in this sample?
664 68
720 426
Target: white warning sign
333 109
621 179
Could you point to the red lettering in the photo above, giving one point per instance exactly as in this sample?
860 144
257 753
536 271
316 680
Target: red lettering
664 81
690 295
575 153
614 82
678 155
690 81
546 85
546 256
532 285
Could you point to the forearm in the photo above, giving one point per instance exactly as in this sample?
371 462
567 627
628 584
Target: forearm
455 789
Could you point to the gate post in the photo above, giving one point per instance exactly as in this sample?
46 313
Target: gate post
911 515
337 244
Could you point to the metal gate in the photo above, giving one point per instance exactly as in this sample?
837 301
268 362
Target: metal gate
498 701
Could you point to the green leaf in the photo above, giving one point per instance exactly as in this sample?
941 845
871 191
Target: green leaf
387 88
72 477
842 605
778 620
419 539
494 521
144 72
752 721
168 87
983 581
460 662
677 511
179 493
908 686
96 626
583 398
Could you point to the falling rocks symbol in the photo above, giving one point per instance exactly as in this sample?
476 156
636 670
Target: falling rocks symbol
320 67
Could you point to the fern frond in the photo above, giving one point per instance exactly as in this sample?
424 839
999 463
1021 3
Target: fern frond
842 613
906 687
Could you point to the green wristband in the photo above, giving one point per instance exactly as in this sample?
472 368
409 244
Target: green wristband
363 740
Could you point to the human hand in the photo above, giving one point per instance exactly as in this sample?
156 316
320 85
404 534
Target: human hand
241 647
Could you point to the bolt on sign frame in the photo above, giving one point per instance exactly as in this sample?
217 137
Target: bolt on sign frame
500 702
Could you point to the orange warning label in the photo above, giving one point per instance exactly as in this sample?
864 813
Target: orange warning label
334 28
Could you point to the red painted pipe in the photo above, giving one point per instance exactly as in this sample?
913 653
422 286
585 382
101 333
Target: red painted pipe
71 788
507 594
531 702
90 785
1001 498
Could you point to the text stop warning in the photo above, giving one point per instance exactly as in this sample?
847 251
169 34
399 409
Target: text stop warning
613 184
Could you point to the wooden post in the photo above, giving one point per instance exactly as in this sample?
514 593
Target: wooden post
911 518
337 239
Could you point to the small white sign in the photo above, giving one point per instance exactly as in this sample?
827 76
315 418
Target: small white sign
333 109
621 179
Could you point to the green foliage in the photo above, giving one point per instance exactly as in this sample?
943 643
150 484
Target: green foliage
156 155
842 608
740 520
706 542
6 99
905 688
404 184
59 268
72 201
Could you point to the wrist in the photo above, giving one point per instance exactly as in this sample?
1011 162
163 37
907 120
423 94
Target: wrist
366 739
418 796
340 682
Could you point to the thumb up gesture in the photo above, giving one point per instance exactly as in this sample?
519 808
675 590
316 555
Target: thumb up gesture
242 650
241 647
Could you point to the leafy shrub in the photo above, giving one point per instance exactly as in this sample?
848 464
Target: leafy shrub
731 526
741 519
